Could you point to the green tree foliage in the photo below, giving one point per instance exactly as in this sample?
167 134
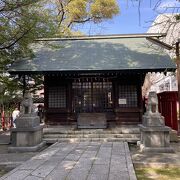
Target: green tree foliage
21 21
69 13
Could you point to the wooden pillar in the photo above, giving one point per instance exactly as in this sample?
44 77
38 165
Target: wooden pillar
139 83
69 96
69 101
115 99
45 96
115 94
140 101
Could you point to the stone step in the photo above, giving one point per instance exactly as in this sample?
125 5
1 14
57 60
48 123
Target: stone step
91 131
128 133
92 135
53 140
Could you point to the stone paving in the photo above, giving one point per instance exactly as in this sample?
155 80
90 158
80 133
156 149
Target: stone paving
78 161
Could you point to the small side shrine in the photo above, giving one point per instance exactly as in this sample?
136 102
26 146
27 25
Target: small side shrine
27 136
155 136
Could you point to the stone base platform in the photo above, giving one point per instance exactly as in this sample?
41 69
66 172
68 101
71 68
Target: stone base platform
156 149
155 139
92 121
26 139
27 148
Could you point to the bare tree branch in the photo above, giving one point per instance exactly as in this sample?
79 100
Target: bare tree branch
61 12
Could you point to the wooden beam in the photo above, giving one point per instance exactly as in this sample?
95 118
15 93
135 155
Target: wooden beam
160 43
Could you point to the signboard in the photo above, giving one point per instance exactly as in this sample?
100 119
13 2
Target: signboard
122 101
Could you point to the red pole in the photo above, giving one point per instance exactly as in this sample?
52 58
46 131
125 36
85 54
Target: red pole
9 120
3 120
178 77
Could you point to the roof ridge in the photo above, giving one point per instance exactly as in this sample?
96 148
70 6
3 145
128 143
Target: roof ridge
111 36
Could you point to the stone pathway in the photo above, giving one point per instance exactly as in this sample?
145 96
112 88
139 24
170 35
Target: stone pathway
78 161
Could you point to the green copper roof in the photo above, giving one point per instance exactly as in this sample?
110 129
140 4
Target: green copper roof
94 54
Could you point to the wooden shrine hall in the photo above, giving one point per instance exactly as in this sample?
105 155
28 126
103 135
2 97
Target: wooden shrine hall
94 81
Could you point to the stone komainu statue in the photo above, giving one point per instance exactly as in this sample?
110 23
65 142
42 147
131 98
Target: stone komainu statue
152 105
27 104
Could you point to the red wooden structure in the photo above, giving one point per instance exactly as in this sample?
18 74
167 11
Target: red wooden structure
168 108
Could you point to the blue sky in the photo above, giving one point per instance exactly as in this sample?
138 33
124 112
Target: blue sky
129 21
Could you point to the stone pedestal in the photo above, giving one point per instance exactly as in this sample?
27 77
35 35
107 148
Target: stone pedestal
155 136
155 139
92 121
27 136
173 136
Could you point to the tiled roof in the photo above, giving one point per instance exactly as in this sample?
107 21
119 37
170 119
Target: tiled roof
124 53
